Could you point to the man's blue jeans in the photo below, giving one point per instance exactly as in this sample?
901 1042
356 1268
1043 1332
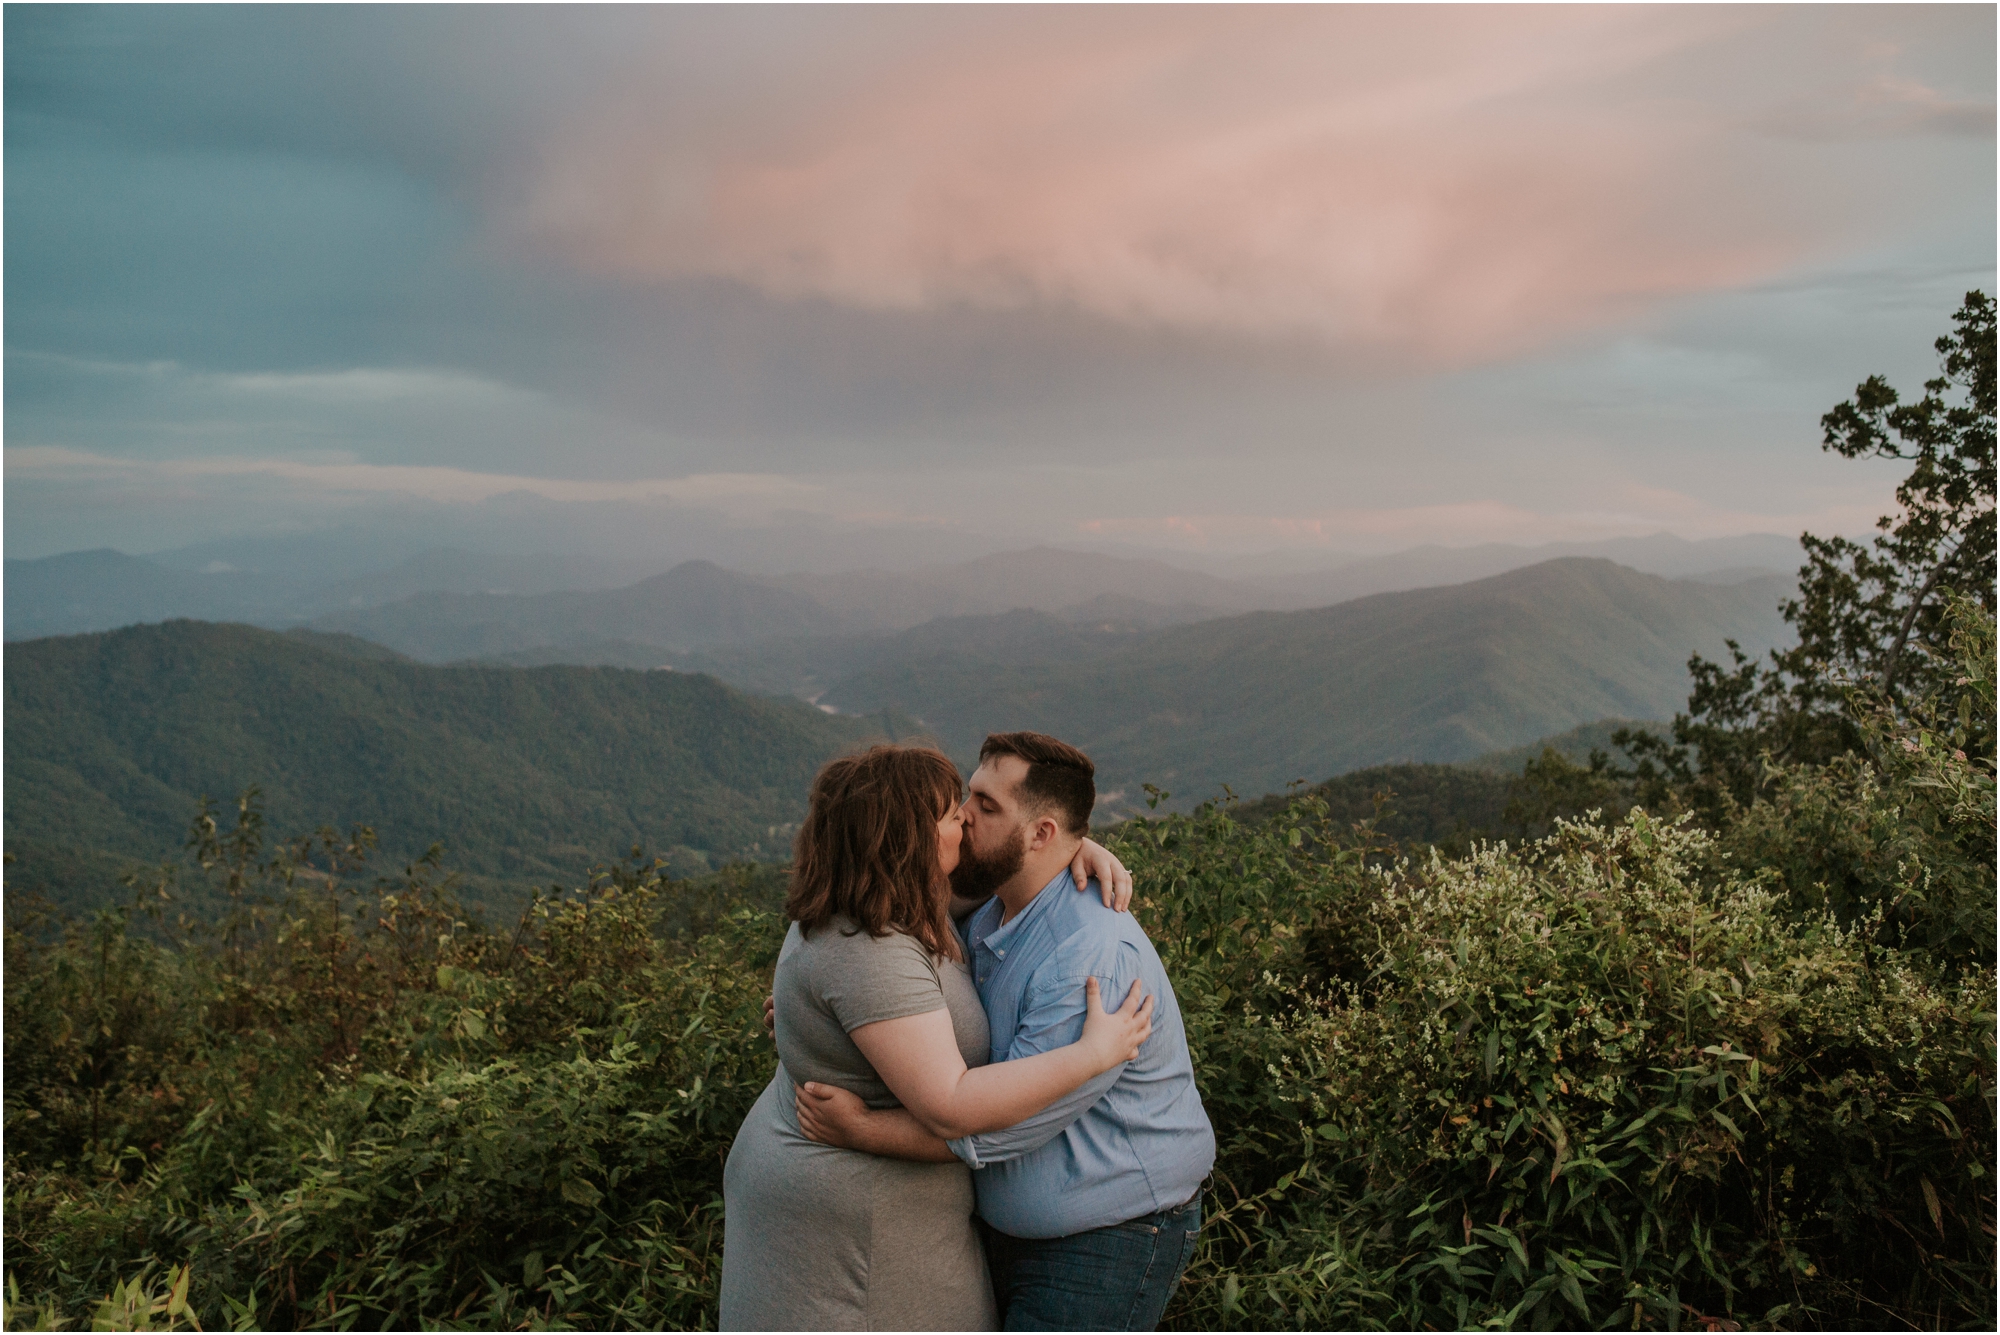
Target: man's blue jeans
1114 1278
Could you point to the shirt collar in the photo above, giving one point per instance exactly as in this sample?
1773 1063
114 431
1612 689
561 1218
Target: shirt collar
996 940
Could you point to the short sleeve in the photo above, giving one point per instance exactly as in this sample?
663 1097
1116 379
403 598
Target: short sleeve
865 979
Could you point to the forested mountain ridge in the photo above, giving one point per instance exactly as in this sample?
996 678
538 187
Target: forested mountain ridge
524 774
1260 700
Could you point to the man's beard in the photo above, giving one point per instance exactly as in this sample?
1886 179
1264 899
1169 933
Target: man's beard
977 878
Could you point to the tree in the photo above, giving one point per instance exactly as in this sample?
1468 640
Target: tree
1870 617
1860 611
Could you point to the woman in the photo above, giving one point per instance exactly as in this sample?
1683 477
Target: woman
872 974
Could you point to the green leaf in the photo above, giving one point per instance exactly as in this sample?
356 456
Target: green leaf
578 1191
1574 1292
1508 1236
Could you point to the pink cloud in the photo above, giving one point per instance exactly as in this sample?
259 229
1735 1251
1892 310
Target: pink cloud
1426 184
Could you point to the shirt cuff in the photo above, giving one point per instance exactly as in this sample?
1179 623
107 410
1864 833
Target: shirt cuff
965 1150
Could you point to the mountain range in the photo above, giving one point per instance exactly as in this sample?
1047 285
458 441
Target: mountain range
442 604
529 774
1259 700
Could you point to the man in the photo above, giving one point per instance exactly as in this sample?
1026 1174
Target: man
1092 1205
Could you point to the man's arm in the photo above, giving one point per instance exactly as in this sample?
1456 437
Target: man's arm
1051 1019
834 1116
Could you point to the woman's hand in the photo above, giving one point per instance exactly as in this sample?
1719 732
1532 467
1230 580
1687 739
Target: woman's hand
1093 861
1114 1037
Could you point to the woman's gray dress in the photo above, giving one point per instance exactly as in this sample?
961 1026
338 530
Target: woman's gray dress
818 1238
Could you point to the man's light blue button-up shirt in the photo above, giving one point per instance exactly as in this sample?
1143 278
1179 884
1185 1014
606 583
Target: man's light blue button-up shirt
1132 1141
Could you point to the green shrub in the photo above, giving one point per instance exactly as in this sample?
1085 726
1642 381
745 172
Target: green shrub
1581 1082
344 1102
1905 831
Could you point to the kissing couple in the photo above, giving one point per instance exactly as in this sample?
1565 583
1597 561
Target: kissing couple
984 1115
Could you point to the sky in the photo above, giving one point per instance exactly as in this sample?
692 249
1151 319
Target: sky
825 285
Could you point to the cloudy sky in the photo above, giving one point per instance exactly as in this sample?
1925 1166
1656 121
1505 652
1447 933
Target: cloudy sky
1204 279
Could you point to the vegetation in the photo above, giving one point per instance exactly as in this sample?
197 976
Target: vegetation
1720 1060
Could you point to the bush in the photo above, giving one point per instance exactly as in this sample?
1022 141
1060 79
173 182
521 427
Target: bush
1580 1081
1903 831
349 1104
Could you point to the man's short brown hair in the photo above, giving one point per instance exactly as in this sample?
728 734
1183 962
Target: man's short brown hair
1060 778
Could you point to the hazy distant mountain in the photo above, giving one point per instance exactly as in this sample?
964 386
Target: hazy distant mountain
97 590
1109 611
1438 674
278 583
805 629
1052 579
694 605
1044 579
806 665
449 570
307 560
524 774
1725 560
104 589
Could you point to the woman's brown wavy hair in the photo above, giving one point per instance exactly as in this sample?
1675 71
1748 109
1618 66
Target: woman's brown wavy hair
869 846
